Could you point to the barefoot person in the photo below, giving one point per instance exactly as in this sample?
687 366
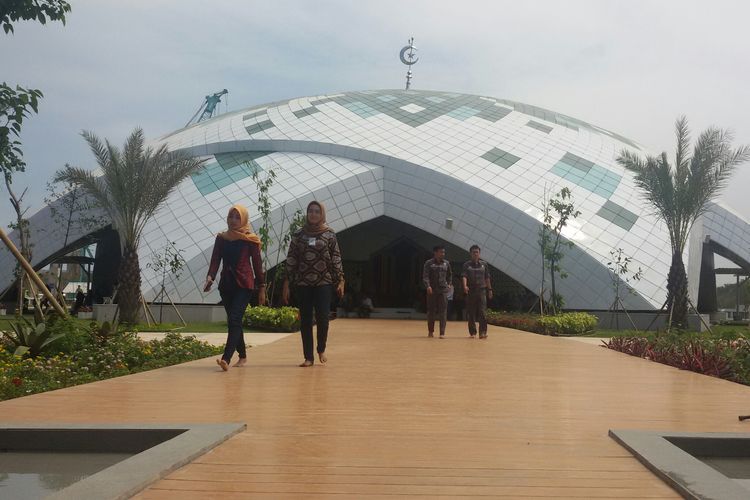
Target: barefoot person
475 275
313 264
242 271
437 278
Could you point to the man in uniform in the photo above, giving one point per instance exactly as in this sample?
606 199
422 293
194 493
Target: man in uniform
475 275
437 278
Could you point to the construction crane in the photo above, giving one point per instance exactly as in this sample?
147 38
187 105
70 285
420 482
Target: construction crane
207 107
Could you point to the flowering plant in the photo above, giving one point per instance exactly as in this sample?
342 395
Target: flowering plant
273 318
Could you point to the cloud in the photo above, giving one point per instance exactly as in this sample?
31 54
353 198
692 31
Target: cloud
628 66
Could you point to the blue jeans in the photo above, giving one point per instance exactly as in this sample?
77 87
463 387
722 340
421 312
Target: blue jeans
235 302
319 298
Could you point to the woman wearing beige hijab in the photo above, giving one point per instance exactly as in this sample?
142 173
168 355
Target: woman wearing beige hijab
242 271
313 265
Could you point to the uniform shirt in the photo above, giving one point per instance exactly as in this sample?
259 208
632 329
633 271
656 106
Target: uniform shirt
314 260
476 274
437 275
241 259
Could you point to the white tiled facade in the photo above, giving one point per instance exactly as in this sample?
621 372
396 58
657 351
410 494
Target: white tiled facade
421 157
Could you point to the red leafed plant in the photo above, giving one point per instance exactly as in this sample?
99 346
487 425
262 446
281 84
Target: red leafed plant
709 356
635 346
710 360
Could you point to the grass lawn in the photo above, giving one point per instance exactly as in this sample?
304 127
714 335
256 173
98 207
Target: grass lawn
197 327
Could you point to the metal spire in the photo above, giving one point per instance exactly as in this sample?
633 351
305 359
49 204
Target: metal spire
408 59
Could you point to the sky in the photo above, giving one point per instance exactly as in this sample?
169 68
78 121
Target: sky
629 66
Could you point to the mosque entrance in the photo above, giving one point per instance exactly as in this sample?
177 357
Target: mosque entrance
391 276
383 259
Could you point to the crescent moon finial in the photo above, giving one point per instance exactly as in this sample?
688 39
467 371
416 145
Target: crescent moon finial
408 59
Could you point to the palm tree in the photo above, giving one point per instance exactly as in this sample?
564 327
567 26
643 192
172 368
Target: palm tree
132 185
680 194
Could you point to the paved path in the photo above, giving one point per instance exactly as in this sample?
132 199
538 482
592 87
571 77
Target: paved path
395 414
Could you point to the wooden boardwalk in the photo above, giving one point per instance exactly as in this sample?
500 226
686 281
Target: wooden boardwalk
394 413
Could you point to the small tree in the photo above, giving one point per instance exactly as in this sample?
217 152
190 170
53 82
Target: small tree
556 213
264 231
134 182
264 209
680 193
296 223
15 105
169 260
22 225
71 210
621 277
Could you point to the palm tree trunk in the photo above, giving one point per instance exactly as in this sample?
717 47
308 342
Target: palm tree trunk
677 292
129 291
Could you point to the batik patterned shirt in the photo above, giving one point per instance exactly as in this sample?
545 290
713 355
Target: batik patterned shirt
314 260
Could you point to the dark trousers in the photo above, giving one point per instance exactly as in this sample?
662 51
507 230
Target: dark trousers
476 305
235 302
318 298
437 308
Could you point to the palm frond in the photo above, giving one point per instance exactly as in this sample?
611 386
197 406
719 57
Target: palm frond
682 131
97 148
653 177
91 184
680 193
134 144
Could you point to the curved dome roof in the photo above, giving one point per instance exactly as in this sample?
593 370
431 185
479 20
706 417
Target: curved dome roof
508 151
422 157
410 108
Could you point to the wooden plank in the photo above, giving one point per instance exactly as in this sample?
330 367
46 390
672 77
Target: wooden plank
435 491
394 413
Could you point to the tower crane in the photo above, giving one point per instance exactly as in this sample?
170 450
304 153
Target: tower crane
207 107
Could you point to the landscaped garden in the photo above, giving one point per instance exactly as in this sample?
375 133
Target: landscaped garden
276 319
724 352
70 351
66 353
573 323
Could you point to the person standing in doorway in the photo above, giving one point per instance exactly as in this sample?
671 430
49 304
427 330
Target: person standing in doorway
238 248
475 275
313 265
437 278
80 298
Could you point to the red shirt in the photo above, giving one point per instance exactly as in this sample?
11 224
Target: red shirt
240 258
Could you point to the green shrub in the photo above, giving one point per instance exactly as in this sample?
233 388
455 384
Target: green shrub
272 318
518 321
74 337
560 324
31 338
174 349
100 352
576 323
